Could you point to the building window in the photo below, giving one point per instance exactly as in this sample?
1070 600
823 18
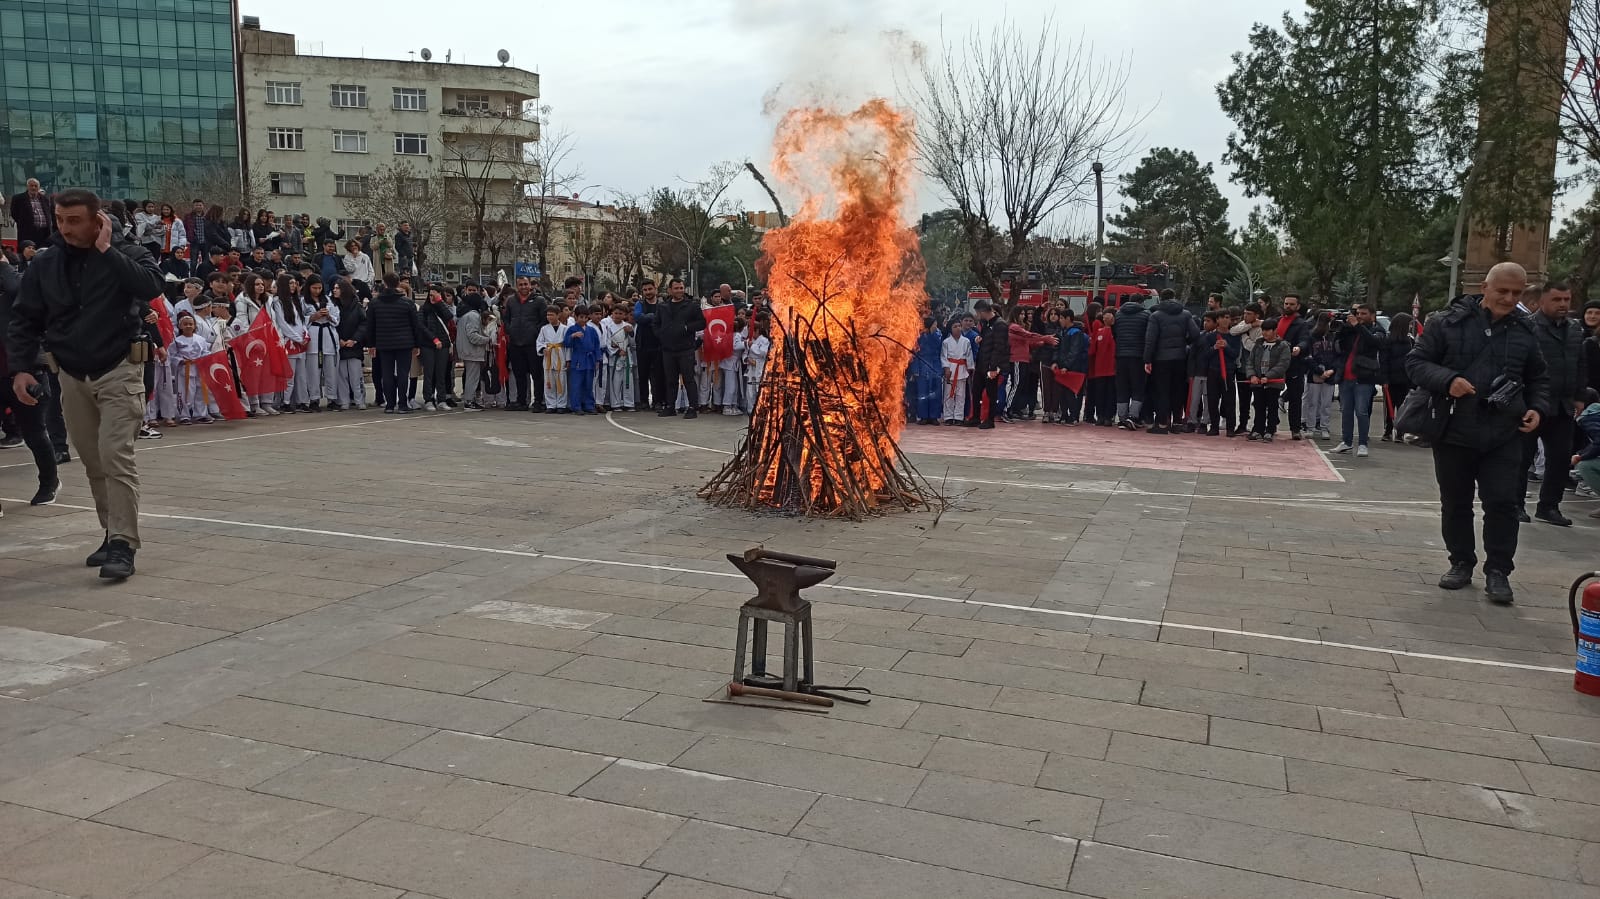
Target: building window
349 185
349 141
283 93
350 96
408 144
351 228
412 188
472 104
286 139
289 184
411 99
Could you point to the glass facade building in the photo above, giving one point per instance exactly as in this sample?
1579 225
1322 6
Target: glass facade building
115 95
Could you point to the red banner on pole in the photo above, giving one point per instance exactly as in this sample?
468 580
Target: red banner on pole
718 344
217 380
263 362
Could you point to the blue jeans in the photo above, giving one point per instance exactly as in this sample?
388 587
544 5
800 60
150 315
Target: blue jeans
1356 398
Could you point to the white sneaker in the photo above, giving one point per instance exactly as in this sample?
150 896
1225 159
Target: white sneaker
1361 452
1325 435
430 407
1342 447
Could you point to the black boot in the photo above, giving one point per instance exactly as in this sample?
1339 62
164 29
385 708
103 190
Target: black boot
98 557
1459 576
1498 587
119 561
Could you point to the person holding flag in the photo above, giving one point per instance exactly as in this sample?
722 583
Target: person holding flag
1070 365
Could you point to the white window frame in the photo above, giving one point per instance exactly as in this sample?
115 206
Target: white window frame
351 229
348 96
286 138
473 104
351 185
348 141
278 181
412 95
403 188
402 137
284 93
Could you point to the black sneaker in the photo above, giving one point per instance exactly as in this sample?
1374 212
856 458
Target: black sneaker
1553 516
1522 516
1125 424
98 557
402 410
63 457
119 561
10 441
1498 588
1459 576
690 414
47 494
666 413
1158 429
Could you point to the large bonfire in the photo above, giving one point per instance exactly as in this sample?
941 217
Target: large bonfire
846 279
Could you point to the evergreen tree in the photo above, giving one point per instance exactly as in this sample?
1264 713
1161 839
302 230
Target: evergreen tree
1174 213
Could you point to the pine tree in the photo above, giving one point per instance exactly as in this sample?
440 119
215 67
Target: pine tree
1174 214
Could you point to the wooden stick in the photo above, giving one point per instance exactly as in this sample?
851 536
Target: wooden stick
737 689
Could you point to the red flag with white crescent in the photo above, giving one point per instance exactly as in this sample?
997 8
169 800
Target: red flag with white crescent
217 379
263 362
163 319
718 342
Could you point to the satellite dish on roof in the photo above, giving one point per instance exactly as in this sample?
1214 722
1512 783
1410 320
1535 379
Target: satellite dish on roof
504 57
426 54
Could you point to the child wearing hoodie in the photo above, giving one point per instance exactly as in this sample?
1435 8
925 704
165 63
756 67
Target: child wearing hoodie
1268 365
1071 358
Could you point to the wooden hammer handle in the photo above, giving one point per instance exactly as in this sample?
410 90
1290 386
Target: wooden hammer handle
737 689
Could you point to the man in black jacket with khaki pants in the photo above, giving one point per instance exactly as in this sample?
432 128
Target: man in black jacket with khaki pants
86 300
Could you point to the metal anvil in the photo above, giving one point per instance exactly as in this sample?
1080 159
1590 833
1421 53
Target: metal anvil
779 577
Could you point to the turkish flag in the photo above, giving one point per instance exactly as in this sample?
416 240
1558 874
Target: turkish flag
164 320
217 380
263 362
718 343
1072 380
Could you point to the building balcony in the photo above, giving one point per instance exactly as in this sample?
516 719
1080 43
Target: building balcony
524 127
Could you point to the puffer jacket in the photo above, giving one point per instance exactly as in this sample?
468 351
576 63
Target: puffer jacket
524 318
436 319
1561 342
352 326
1072 350
1169 332
677 323
994 345
1464 342
1268 361
1393 356
1360 351
393 324
1129 329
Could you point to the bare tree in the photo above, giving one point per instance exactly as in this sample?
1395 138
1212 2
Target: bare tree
589 242
631 247
553 173
1009 123
397 193
485 169
686 216
217 183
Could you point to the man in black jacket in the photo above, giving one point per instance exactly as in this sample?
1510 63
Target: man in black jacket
1486 358
1295 330
677 322
1561 342
524 315
34 214
652 378
394 336
994 356
1167 337
86 300
1128 331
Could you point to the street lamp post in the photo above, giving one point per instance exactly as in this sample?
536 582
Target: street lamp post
1454 260
1099 223
746 275
1249 279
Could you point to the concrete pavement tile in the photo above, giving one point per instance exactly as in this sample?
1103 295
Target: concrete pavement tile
1417 761
985 760
1003 633
306 728
1553 724
228 818
1114 872
1114 782
709 797
10 889
1230 705
566 695
1010 730
607 736
786 728
921 688
641 676
832 872
241 877
93 861
1028 808
442 710
463 866
1368 869
732 856
1570 753
19 825
422 674
19 718
390 791
202 755
1045 680
577 826
1168 652
899 638
973 846
1101 713
1454 880
1454 737
1451 711
802 769
79 787
502 761
675 887
509 633
1259 686
1197 759
1503 848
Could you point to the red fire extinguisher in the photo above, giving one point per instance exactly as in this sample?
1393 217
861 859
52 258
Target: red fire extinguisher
1586 632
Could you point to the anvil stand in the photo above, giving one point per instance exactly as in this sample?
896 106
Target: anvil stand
779 577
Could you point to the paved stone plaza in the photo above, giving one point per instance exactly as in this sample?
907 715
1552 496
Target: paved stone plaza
465 655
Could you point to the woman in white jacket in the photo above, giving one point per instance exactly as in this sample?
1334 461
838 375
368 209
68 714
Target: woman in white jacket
357 265
321 317
284 308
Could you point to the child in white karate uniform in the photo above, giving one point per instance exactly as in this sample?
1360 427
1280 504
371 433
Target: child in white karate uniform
552 349
617 342
286 313
732 385
958 362
755 364
188 346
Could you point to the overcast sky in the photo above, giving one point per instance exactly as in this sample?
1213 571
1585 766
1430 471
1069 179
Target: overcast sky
658 91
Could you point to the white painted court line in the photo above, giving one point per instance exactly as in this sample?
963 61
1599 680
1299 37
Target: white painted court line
1089 616
145 446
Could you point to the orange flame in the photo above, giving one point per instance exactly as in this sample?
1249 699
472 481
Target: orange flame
847 259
